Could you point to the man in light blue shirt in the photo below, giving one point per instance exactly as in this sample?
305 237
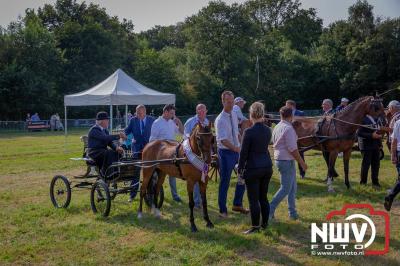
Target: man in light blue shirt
167 127
200 117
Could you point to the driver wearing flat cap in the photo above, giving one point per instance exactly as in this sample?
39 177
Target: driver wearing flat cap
99 142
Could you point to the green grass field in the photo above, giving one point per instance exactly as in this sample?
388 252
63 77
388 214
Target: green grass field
32 231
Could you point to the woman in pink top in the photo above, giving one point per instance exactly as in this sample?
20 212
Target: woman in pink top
286 152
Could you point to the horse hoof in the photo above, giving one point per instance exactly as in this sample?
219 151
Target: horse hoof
139 215
194 229
210 225
331 190
157 213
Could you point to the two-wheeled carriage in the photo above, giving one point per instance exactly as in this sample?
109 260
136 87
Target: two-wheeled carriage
121 177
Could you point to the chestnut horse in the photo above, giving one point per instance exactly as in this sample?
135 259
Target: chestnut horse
201 143
336 133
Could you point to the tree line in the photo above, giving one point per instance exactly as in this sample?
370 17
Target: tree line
269 50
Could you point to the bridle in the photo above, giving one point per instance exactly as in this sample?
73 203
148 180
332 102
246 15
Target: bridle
199 141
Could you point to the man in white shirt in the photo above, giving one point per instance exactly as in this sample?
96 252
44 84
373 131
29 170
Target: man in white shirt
200 117
226 125
167 127
395 156
237 109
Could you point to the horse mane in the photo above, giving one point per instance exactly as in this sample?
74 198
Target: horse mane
351 105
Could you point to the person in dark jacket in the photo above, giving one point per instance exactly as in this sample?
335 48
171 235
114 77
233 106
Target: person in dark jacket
370 143
255 167
99 140
140 127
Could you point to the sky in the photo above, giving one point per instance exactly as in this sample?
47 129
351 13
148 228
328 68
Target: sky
145 14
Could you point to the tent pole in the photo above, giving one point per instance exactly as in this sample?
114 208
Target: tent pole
110 118
65 128
126 115
65 120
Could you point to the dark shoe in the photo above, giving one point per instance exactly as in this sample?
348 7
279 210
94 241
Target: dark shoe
388 203
240 209
254 229
294 217
303 176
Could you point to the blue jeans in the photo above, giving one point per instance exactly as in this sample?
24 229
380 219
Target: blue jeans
197 195
227 161
174 191
287 171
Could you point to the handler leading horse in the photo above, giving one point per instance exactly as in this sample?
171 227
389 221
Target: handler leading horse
198 146
336 133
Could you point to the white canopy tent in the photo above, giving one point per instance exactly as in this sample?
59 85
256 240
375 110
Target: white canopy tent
117 89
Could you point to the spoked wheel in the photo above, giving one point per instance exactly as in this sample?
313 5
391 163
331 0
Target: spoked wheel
60 191
100 198
151 191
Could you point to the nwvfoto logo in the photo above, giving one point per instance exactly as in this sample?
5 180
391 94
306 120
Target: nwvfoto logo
336 236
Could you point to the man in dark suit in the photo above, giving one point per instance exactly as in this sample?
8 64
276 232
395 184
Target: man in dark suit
140 127
292 105
99 140
370 143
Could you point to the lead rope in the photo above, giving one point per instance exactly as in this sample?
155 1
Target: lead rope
355 124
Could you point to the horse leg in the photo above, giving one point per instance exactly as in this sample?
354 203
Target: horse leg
190 185
160 182
146 173
326 156
203 189
140 213
331 169
346 159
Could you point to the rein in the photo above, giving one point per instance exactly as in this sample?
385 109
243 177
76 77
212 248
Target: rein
354 124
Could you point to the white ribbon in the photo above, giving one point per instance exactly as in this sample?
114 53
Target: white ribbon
195 160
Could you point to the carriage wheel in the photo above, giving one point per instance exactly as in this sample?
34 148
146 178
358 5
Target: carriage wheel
100 199
60 191
151 190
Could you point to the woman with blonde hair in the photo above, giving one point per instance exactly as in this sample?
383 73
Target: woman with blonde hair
255 167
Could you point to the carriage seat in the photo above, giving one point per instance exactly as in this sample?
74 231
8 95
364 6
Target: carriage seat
89 161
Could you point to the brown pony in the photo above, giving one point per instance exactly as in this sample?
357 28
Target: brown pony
336 133
201 142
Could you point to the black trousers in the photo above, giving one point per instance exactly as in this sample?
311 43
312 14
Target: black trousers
104 158
370 158
257 181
